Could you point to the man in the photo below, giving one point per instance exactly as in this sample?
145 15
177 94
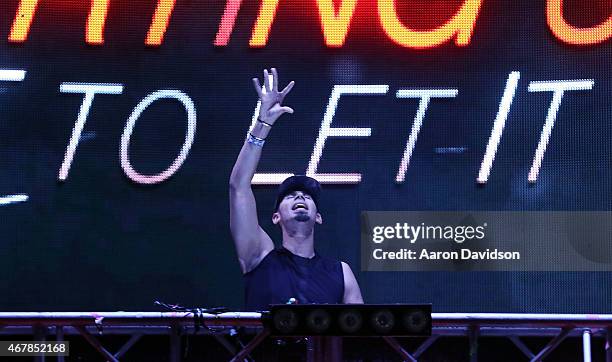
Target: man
294 270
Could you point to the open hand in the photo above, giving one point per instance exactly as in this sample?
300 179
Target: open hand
271 99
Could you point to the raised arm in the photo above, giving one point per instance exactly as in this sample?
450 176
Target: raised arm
252 242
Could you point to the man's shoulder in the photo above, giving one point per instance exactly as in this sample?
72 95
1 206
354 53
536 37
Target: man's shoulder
345 265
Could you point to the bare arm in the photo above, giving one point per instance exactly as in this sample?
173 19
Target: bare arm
251 241
352 293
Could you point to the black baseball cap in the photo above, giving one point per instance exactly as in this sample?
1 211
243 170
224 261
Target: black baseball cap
299 183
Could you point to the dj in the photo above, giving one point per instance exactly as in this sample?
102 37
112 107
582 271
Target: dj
294 270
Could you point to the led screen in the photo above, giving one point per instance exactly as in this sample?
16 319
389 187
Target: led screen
120 122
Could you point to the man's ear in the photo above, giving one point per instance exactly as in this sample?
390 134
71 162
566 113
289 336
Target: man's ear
275 218
318 219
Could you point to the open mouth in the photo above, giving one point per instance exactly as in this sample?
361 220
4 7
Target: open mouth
299 205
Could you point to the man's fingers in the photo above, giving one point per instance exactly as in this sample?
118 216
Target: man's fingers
267 81
257 86
288 88
274 80
271 85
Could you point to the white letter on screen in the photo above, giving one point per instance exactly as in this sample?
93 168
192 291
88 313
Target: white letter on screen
498 127
129 128
11 75
90 90
13 199
558 87
425 95
327 131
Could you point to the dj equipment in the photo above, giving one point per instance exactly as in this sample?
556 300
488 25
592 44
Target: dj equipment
348 320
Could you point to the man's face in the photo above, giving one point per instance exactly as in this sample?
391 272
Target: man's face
297 206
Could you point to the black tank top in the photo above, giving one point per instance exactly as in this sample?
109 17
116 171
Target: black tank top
282 275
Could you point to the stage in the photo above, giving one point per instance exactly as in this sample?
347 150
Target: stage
50 326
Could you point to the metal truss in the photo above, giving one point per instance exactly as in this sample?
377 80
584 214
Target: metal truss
43 325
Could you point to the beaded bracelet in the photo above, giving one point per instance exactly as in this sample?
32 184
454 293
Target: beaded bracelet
255 140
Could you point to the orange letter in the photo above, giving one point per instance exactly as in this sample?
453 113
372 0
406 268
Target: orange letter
95 22
335 27
227 22
571 35
461 24
23 20
259 38
160 22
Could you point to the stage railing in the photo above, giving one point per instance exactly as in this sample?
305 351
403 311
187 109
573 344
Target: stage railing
44 326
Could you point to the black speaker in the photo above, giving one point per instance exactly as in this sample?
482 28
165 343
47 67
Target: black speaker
348 319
